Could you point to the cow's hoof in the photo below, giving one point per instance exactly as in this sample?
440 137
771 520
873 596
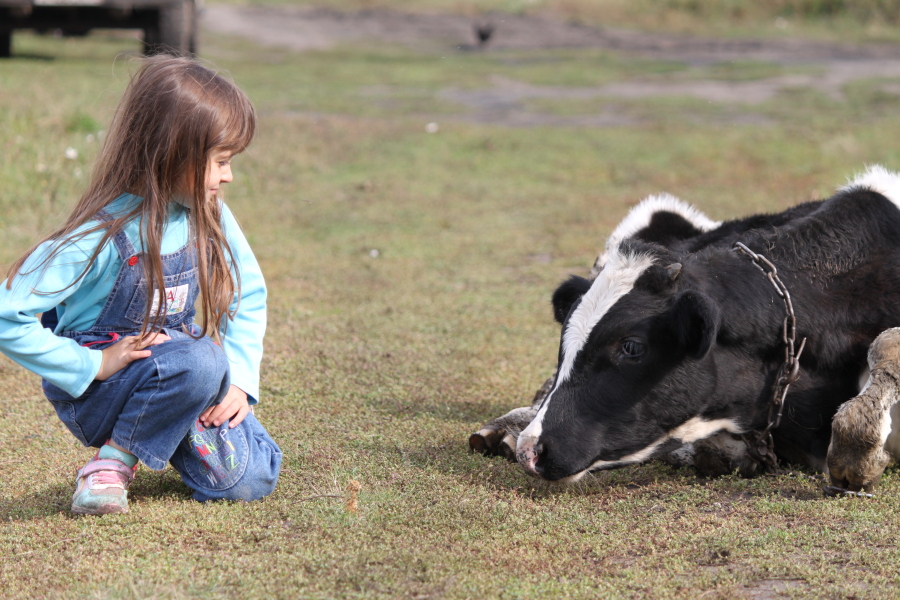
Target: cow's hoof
865 430
493 442
484 441
851 480
834 491
499 437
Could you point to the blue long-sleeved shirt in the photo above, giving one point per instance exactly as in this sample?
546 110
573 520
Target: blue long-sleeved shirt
64 363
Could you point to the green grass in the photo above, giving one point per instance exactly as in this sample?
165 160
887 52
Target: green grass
378 368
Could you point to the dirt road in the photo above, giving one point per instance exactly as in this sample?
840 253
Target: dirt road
834 65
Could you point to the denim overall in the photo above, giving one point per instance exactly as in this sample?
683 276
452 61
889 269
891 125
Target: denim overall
151 407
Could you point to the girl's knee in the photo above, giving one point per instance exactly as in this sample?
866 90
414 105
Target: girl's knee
262 473
201 361
205 357
229 464
256 484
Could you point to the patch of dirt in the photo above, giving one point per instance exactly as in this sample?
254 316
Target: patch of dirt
769 589
309 28
303 29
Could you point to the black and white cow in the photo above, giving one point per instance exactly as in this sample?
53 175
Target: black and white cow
663 219
678 340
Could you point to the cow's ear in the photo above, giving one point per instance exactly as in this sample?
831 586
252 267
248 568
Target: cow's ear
695 318
567 294
659 279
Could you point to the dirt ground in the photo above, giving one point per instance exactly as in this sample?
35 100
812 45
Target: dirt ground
833 65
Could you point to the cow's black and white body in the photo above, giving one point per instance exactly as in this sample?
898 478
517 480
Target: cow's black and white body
679 339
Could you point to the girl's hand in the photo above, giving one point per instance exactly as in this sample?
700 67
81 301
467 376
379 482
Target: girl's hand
127 350
234 406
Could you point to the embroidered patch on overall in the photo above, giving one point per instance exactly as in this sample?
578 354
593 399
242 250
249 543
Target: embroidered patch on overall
222 454
176 300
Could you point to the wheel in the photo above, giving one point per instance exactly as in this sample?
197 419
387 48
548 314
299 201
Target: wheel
176 31
5 44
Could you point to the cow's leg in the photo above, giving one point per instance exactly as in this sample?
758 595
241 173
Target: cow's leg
498 437
865 432
719 454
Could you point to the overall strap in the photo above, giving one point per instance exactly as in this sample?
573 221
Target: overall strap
50 318
123 245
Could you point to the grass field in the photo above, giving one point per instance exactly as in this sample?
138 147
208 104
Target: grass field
409 275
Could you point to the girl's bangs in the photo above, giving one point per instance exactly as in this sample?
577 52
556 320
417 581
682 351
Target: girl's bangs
238 125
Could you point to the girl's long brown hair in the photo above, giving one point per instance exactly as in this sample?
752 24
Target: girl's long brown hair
175 113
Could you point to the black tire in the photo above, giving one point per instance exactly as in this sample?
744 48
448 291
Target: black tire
5 44
176 30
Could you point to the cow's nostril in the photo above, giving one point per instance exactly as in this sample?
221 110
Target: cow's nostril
539 453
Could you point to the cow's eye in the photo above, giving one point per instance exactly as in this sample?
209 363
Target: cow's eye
631 349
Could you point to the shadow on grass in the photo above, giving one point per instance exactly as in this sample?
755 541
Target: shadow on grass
158 484
46 502
656 478
57 498
495 473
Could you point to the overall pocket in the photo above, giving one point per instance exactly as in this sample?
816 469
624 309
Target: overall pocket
180 294
215 458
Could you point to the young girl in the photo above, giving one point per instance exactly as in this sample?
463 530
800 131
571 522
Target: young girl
122 360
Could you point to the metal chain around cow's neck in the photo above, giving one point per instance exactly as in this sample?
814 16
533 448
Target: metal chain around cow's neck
760 445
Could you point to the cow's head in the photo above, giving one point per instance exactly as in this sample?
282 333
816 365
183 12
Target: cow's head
635 369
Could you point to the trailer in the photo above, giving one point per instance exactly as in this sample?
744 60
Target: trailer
167 25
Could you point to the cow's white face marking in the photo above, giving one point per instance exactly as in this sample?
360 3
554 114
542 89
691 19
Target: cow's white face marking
878 179
694 429
615 280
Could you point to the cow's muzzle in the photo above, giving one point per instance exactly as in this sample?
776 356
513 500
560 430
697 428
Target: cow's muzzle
528 451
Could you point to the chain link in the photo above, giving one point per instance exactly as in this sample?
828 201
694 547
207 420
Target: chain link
760 445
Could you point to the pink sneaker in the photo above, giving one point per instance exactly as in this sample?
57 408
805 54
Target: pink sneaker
101 487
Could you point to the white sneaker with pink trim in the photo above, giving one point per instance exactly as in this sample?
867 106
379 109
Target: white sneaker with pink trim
101 487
